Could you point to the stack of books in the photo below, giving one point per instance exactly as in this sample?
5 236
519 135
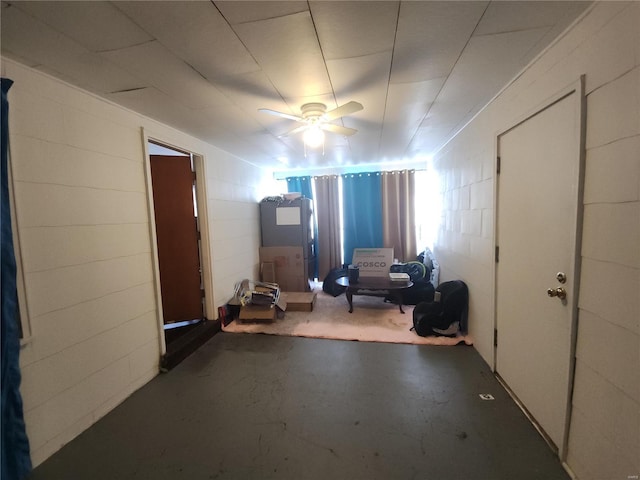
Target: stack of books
398 277
257 293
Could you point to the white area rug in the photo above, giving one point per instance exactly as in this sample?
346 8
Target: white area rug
372 320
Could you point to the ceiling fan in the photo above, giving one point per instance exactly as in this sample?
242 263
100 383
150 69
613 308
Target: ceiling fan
315 121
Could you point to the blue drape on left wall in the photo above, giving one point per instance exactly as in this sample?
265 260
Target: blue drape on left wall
303 186
14 446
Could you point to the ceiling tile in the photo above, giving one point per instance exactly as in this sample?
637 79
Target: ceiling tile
98 26
357 78
271 146
250 11
407 105
503 17
287 50
364 145
491 61
154 64
194 31
232 118
59 53
353 29
28 37
364 80
95 73
488 59
155 104
429 138
252 91
23 60
431 36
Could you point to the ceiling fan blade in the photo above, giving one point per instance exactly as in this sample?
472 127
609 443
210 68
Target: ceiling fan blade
346 109
294 131
280 114
346 131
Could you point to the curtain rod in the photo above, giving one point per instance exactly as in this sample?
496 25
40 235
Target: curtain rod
359 174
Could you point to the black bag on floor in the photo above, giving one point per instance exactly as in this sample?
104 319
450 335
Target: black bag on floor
445 315
422 289
329 284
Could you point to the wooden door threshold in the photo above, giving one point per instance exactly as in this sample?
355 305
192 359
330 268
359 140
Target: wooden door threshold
188 343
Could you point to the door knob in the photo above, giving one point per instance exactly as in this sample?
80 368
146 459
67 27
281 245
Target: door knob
559 292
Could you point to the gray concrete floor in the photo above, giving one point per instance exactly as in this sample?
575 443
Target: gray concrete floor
261 407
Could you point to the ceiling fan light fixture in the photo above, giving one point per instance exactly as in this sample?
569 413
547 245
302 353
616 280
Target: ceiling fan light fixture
315 120
313 136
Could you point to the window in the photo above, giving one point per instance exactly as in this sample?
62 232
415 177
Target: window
428 208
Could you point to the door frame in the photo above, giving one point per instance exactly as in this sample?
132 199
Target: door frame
578 88
199 166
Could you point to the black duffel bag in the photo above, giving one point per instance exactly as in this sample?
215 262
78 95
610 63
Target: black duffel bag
447 314
329 284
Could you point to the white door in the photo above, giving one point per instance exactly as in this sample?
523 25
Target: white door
539 198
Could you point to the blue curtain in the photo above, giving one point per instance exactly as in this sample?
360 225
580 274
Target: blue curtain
300 184
16 461
303 185
362 212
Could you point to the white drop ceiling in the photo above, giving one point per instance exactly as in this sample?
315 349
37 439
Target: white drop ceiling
421 69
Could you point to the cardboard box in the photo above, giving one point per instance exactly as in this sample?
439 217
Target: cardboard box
257 313
299 301
373 262
294 283
268 272
290 265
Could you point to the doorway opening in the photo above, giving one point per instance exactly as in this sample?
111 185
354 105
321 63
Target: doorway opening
173 181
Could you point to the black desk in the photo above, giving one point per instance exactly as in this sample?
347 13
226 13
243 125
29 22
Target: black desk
374 287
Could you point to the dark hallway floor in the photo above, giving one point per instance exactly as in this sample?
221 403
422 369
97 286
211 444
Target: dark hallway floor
259 407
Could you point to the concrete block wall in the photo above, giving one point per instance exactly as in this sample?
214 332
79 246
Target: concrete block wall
233 196
605 422
604 45
84 237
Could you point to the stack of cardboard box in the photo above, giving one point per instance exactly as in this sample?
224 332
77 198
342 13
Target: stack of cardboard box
284 266
258 301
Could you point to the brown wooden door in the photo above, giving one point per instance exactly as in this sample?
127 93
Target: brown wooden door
177 235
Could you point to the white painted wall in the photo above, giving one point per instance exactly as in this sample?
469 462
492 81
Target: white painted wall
605 46
83 225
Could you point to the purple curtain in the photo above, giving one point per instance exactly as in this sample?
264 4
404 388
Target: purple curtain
328 212
398 214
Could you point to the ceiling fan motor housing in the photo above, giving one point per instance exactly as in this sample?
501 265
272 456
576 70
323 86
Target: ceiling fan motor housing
313 110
